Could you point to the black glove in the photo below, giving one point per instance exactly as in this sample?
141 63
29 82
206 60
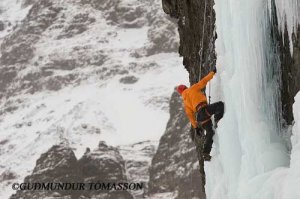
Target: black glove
214 69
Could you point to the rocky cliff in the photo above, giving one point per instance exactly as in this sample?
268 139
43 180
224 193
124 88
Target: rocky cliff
59 165
103 164
196 27
175 167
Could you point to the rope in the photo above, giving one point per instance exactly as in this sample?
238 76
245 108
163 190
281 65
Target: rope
201 52
209 88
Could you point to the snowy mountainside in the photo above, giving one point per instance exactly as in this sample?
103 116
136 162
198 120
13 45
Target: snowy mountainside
80 71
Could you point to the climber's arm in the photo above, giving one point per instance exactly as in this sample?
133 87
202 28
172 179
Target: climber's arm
202 83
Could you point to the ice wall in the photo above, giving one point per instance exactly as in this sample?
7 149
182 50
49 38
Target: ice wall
288 13
291 181
250 160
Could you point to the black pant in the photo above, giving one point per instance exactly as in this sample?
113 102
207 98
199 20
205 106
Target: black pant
204 114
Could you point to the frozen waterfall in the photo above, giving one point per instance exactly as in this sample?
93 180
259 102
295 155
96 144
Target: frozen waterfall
251 159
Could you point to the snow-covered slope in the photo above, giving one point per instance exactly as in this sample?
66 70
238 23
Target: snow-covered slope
80 71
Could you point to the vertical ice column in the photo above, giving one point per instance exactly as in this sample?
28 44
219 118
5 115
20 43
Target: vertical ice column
247 146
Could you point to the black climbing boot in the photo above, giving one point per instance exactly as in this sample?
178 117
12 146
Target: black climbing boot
206 157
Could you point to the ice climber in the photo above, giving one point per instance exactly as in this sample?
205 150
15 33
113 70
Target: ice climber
199 111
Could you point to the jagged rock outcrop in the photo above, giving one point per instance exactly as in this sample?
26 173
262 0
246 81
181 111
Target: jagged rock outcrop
59 165
105 162
175 166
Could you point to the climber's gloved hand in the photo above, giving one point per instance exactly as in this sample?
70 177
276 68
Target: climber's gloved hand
214 69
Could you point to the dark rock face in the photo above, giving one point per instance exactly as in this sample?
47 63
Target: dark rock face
296 62
290 68
175 166
289 65
59 165
196 26
99 164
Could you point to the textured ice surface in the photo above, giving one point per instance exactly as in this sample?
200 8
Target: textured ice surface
249 160
288 13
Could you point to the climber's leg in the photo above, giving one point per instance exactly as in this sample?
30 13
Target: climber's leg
209 137
216 109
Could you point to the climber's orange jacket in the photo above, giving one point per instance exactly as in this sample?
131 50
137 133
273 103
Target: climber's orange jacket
193 96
